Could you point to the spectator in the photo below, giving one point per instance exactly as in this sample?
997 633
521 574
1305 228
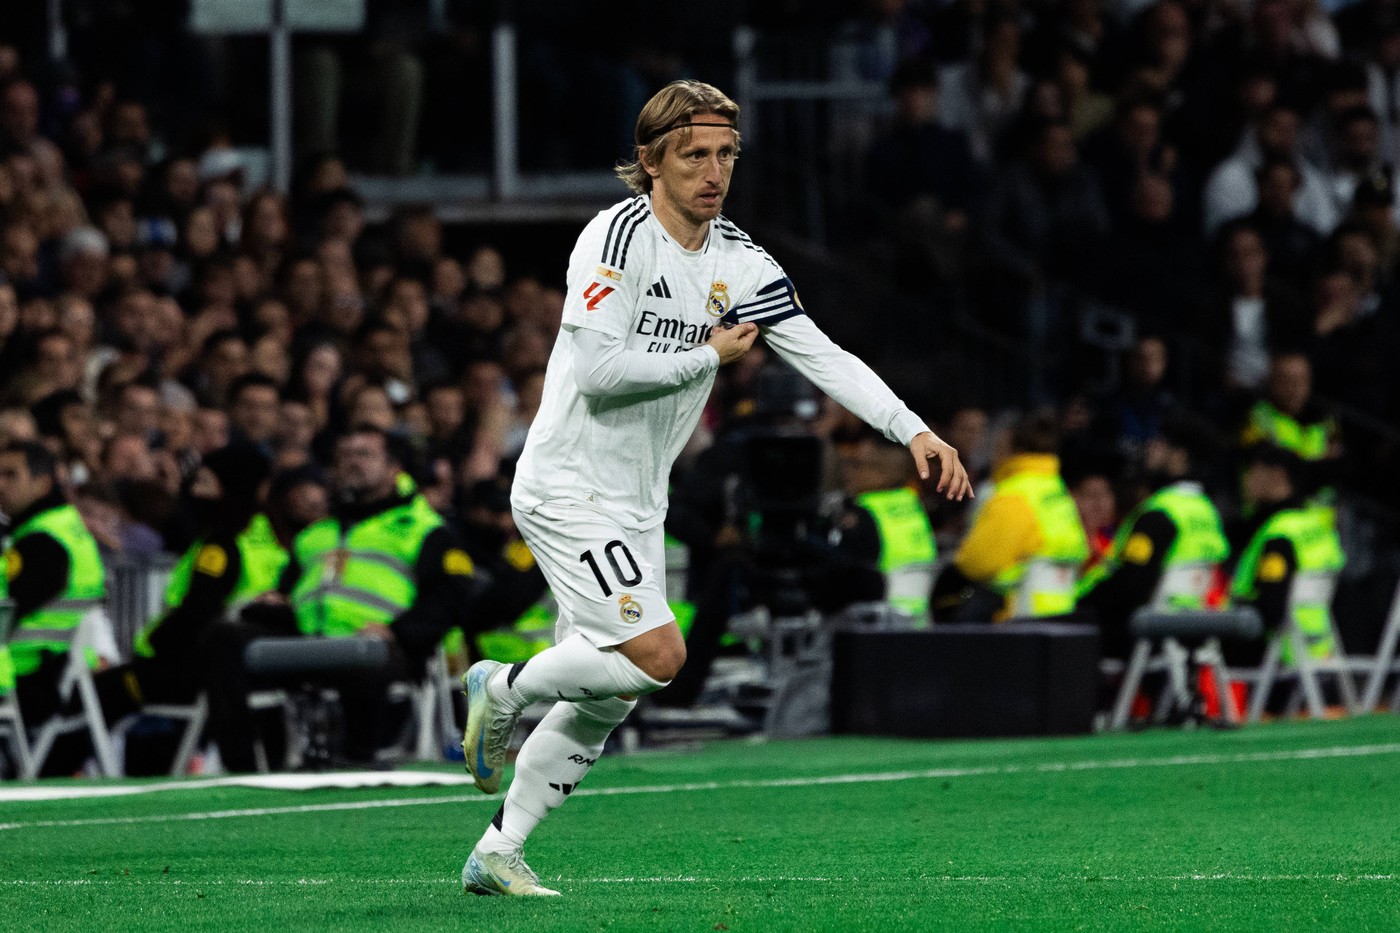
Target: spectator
211 430
1250 316
83 262
223 360
980 97
138 410
921 174
253 410
1136 413
316 380
1290 242
1232 190
1044 220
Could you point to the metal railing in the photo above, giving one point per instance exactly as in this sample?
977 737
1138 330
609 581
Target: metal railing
135 595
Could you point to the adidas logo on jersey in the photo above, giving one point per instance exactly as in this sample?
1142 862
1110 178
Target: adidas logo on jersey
660 289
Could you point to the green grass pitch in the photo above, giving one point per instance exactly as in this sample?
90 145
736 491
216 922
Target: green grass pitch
1292 826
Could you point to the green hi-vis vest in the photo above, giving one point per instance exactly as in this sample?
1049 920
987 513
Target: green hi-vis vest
1190 562
526 637
51 626
7 664
349 579
1319 557
261 559
1307 441
907 548
1044 584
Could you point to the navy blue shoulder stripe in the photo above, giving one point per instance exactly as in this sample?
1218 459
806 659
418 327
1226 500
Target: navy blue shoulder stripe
619 223
631 228
727 227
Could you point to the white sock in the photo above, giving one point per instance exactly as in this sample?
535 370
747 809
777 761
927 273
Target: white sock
572 670
552 761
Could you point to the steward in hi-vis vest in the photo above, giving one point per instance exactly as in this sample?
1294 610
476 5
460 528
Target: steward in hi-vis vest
1289 567
1166 553
1289 418
1027 542
513 616
234 558
877 478
55 577
382 566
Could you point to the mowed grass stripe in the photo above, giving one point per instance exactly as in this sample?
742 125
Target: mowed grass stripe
1059 767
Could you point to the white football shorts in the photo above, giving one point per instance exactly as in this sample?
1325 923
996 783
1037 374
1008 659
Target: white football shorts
609 581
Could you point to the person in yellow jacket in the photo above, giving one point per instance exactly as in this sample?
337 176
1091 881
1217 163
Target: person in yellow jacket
1026 543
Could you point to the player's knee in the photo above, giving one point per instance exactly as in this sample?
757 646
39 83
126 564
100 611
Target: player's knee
669 662
662 660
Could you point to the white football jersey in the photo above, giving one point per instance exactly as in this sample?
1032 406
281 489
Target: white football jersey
629 279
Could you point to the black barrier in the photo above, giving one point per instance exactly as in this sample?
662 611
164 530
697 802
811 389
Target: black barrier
1036 678
314 657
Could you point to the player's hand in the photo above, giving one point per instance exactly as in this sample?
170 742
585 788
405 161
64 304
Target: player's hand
952 481
732 342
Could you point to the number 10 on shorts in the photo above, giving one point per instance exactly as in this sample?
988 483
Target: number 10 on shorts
610 551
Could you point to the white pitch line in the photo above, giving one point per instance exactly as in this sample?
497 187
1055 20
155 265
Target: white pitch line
1303 754
1340 878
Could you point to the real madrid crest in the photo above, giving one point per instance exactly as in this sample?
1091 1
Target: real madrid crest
717 305
629 609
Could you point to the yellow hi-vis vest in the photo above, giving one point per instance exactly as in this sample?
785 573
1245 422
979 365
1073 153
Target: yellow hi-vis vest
50 628
907 548
1319 556
351 577
261 559
1044 584
1188 567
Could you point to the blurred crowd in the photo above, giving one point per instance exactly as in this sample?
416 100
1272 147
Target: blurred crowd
1202 192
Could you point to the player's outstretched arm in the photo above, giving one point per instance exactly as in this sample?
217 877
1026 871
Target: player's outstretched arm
845 378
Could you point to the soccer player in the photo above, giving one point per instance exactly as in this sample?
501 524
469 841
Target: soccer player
662 291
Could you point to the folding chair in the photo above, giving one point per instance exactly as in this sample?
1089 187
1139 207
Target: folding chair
1384 663
1044 577
1178 642
11 722
194 715
1311 589
433 723
88 635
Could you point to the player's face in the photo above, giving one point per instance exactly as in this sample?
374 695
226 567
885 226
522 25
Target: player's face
693 176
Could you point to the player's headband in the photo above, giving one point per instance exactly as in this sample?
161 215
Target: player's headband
676 126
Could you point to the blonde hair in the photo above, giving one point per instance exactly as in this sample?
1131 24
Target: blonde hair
670 109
